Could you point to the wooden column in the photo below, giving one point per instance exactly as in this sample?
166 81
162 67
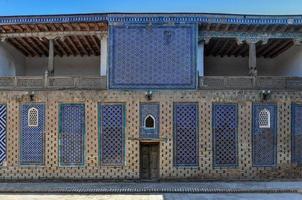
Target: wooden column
252 59
51 58
103 56
200 58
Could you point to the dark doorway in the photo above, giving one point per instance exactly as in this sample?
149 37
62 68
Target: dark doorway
149 160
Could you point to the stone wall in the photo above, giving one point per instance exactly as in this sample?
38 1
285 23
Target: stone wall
132 99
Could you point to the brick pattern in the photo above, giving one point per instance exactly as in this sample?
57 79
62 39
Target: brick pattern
92 169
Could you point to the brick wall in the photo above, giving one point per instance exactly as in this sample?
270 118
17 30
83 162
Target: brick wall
92 168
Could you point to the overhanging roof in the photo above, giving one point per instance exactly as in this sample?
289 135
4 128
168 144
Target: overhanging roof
27 33
156 17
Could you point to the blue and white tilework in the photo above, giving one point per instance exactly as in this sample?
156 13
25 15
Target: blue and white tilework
185 134
147 109
152 57
2 134
225 136
32 137
112 134
72 134
264 140
296 134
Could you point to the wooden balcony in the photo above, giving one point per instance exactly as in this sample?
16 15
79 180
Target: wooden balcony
100 83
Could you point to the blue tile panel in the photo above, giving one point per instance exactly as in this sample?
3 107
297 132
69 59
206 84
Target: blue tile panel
145 110
2 133
185 134
112 134
152 57
264 140
72 134
225 135
296 138
32 138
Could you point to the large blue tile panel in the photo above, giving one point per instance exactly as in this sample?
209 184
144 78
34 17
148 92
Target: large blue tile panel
152 57
225 136
72 134
149 109
264 140
32 137
2 134
112 134
185 143
296 151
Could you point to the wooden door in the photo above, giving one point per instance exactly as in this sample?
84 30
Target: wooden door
149 164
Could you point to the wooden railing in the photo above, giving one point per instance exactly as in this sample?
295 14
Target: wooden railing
100 83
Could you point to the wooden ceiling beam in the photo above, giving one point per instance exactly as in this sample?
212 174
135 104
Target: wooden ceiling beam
81 45
24 46
60 48
96 43
16 44
68 49
278 49
33 45
231 48
91 49
42 46
53 34
215 48
271 48
75 48
288 45
222 49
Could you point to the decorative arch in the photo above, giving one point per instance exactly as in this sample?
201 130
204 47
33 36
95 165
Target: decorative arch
264 118
33 117
149 122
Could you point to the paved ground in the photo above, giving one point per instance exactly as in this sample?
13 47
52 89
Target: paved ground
152 187
178 196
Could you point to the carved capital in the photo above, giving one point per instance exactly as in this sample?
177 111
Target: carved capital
2 39
297 41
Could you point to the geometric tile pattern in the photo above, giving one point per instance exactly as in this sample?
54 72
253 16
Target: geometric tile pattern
72 134
145 110
112 134
2 133
225 142
296 134
32 137
186 134
152 57
264 140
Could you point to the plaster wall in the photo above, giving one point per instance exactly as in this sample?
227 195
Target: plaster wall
64 66
11 61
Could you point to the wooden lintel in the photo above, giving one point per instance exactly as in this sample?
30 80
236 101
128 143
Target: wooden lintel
51 35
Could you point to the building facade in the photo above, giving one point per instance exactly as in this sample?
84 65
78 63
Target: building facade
151 96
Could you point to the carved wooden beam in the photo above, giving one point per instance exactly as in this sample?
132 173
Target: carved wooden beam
250 36
53 34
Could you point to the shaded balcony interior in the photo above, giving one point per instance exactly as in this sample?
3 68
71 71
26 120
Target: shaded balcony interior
77 52
276 56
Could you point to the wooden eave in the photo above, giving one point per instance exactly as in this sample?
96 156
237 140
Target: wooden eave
230 46
70 39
